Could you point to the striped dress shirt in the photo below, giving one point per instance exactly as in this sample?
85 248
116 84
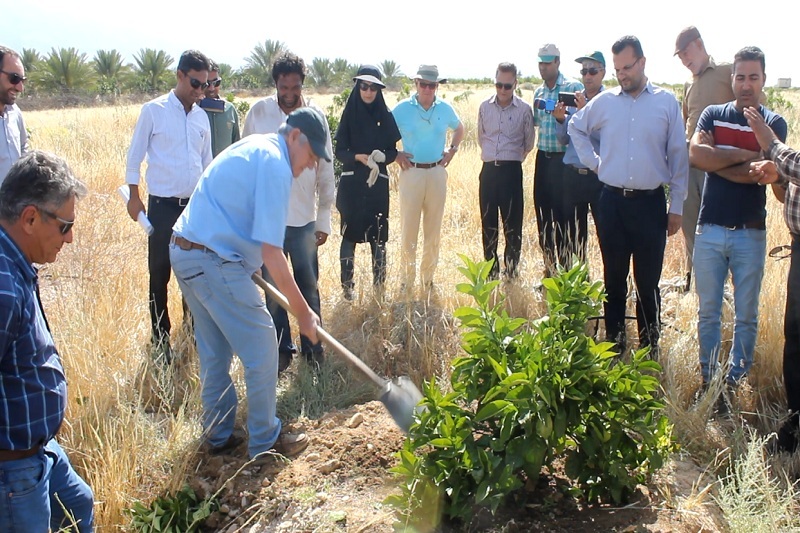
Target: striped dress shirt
788 163
505 133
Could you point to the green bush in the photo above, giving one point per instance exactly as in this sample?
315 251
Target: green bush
182 513
524 395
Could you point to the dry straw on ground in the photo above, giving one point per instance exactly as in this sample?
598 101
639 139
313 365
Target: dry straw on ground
132 430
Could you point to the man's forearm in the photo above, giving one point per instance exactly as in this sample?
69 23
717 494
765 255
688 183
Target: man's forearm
737 173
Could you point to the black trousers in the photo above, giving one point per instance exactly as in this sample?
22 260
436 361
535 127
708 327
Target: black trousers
582 191
548 199
632 227
347 252
163 213
791 331
501 192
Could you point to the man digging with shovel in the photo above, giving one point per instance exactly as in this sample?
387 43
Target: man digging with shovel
234 222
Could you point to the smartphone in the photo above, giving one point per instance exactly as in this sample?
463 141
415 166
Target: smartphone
568 99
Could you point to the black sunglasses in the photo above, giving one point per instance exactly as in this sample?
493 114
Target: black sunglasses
65 226
214 83
364 86
506 86
196 84
593 71
13 77
427 85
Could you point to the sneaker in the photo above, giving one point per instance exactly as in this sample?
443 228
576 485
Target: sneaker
289 444
233 442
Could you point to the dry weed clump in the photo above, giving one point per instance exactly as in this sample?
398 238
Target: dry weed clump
132 429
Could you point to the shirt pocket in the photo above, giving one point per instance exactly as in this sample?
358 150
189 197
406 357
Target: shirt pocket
196 136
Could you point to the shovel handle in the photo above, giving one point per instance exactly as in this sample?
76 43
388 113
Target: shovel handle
337 346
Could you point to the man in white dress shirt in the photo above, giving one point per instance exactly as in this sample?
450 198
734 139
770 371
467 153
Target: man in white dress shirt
309 220
13 136
174 134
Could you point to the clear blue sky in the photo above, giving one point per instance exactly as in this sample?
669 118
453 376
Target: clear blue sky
465 39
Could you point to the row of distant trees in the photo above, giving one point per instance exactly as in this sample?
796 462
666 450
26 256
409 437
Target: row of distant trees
70 71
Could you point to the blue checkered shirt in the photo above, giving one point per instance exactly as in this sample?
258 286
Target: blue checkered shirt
548 139
788 163
33 390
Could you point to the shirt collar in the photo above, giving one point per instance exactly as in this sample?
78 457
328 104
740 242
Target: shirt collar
711 65
175 101
648 87
514 99
414 100
15 253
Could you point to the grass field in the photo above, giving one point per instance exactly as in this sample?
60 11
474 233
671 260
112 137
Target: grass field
132 431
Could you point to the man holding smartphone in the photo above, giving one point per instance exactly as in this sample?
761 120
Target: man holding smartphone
581 184
506 136
548 191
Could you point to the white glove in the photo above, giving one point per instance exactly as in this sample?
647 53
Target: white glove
374 158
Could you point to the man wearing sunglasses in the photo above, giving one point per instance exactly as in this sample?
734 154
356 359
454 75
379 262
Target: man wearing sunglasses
39 489
174 134
506 137
581 184
711 84
309 222
424 120
13 135
548 191
639 128
222 115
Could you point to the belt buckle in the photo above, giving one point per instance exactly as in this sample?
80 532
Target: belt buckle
183 202
628 193
496 163
583 171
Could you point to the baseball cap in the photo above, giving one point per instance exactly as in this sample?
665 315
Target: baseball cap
594 56
686 36
312 124
548 53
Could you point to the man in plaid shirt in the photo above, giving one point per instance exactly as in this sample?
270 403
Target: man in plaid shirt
548 193
782 170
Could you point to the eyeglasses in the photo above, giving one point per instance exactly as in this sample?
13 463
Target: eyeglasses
506 86
427 85
13 77
214 83
65 226
196 84
626 68
593 71
364 86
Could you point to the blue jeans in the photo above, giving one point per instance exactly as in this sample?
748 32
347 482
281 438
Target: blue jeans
300 246
34 493
716 251
230 317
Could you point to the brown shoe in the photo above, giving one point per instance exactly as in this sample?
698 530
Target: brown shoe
290 444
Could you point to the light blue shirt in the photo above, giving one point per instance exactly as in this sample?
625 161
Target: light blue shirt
13 138
424 133
241 201
642 142
570 156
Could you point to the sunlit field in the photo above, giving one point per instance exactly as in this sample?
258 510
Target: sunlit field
132 430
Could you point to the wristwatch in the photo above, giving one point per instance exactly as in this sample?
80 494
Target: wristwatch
453 148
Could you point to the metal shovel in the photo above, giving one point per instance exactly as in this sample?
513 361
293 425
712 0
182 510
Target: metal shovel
400 396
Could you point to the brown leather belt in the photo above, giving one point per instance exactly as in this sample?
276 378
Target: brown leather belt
186 244
16 455
425 165
631 193
581 171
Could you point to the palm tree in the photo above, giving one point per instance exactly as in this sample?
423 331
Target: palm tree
259 63
321 72
30 59
225 71
153 66
391 73
108 63
343 71
66 70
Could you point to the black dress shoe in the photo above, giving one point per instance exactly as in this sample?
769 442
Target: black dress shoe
233 442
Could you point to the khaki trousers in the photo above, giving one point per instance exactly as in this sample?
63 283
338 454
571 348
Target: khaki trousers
423 192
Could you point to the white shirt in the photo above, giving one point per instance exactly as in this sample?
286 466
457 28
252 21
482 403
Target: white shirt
177 145
13 138
312 192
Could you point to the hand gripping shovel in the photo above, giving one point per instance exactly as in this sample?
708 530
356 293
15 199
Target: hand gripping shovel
400 396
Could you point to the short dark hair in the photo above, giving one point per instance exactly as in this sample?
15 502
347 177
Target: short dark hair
750 53
193 60
626 41
288 63
4 50
38 178
212 65
507 67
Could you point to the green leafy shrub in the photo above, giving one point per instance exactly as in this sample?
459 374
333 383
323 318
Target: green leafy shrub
524 395
182 513
776 100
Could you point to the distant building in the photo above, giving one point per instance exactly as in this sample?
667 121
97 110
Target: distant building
784 83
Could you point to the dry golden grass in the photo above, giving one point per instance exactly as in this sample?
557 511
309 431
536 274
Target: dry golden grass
128 446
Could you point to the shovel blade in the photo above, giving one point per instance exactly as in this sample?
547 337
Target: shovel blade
401 398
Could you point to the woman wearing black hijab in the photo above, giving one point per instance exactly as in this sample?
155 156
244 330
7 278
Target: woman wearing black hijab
366 142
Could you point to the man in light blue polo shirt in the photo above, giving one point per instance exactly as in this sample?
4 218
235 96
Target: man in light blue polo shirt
423 121
234 222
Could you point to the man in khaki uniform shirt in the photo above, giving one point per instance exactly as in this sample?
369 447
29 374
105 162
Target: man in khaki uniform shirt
711 84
